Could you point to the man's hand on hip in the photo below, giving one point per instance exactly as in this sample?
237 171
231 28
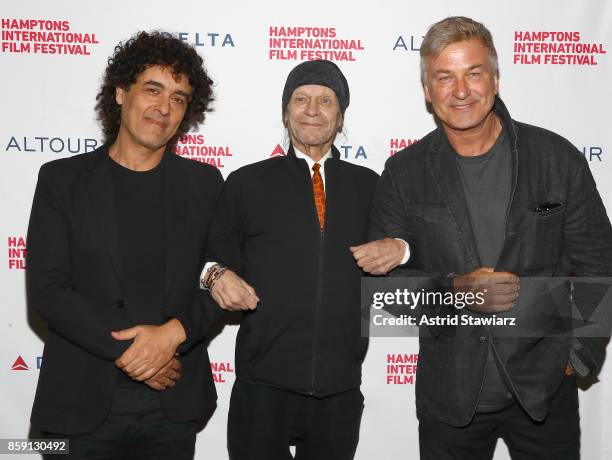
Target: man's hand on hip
152 348
499 289
233 293
379 257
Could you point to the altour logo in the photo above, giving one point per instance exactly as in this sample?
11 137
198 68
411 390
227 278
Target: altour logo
401 368
593 152
195 147
555 48
398 143
19 365
46 144
45 36
410 43
301 43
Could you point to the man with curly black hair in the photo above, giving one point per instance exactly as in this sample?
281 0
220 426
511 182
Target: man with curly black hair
139 54
116 238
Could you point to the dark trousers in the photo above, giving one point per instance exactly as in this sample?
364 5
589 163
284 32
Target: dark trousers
263 422
136 428
557 437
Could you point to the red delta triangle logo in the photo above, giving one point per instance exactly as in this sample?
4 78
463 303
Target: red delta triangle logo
278 151
19 365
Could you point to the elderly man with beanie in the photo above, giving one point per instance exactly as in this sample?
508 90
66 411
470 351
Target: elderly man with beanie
283 235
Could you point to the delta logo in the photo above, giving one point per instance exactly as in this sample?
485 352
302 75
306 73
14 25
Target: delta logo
567 48
346 152
195 147
398 143
208 39
221 370
401 368
353 152
48 144
20 365
307 43
45 36
278 151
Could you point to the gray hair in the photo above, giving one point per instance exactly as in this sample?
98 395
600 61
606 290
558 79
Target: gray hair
452 30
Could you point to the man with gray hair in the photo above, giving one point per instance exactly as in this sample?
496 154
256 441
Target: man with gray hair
286 225
483 200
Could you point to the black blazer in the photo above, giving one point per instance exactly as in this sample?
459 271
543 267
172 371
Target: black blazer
419 198
74 281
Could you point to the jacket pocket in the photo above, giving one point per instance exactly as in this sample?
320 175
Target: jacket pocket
431 212
434 236
542 238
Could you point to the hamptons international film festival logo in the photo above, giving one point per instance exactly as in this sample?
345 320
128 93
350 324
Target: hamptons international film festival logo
556 48
399 143
401 368
221 370
16 253
305 43
20 364
196 147
45 36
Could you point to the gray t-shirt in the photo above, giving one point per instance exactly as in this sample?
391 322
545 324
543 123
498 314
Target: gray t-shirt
486 185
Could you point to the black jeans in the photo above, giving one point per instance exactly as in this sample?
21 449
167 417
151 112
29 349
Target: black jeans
263 422
557 437
136 428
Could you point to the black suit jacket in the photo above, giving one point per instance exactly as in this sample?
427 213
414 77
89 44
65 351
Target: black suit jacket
74 281
420 199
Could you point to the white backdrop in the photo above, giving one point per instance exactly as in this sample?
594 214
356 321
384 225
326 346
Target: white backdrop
47 112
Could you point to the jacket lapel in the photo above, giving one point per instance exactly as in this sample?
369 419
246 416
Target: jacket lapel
521 191
332 177
102 200
446 178
333 186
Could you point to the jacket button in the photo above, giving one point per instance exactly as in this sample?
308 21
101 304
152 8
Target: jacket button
120 303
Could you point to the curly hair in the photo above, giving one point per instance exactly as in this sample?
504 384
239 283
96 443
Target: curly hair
133 57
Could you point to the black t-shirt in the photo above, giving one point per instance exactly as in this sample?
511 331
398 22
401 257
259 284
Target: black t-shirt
486 185
141 232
